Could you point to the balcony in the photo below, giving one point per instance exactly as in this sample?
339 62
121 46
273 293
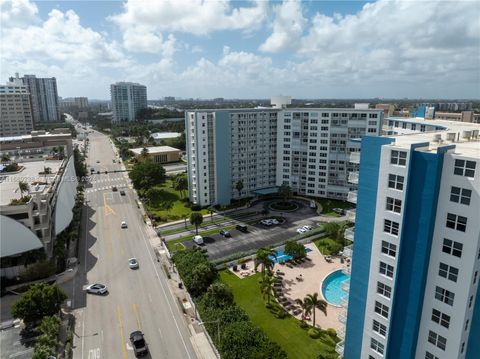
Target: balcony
351 214
353 177
346 285
341 333
352 197
350 233
342 317
348 251
354 157
340 347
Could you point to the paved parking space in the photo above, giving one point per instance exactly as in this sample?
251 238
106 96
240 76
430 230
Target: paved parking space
16 343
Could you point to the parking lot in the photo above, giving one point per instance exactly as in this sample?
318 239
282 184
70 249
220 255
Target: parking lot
16 343
260 235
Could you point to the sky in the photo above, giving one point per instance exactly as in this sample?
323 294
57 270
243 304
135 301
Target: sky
247 49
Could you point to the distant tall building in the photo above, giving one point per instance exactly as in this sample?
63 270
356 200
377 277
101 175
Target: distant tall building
79 102
43 96
15 109
127 99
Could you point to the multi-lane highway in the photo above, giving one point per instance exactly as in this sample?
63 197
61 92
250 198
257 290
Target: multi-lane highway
137 299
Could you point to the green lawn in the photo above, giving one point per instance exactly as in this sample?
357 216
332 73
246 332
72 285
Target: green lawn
170 195
286 332
328 246
329 204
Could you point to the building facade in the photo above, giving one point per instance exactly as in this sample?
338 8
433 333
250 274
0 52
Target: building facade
43 97
416 256
159 154
15 109
127 99
308 149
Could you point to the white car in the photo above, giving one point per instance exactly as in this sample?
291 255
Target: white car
301 230
123 224
266 222
274 221
307 228
97 289
133 263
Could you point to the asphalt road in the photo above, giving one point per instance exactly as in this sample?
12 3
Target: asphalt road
137 299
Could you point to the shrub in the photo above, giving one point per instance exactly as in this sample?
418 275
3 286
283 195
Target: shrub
303 324
314 333
281 314
331 332
38 270
196 208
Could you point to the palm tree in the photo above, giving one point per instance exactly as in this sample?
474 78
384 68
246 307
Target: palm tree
314 302
306 309
144 153
196 219
181 184
264 258
239 187
23 186
266 287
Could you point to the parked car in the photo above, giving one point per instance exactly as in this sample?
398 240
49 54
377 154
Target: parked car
241 228
307 228
123 224
122 193
92 170
139 344
266 222
339 211
133 263
97 288
98 161
275 221
198 239
301 230
114 189
225 233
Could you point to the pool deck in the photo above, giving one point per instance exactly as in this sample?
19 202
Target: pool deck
313 272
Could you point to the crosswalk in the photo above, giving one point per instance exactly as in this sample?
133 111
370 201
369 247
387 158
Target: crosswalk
102 184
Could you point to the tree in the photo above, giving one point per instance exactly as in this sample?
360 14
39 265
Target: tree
315 303
295 250
266 286
181 185
5 158
196 219
218 295
336 231
285 191
23 186
239 187
144 154
38 301
200 278
146 174
264 258
306 309
167 206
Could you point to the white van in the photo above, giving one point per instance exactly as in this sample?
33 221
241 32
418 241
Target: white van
198 239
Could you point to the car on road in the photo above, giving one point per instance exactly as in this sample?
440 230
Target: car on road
123 224
139 344
133 263
301 230
98 161
98 172
114 189
241 228
225 233
92 170
266 222
198 239
122 193
97 288
307 228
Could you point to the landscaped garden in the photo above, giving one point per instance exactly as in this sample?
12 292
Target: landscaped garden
335 240
329 204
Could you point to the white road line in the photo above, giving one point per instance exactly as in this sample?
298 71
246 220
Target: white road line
164 293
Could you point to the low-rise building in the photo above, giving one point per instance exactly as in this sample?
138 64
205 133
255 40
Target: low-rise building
159 154
464 116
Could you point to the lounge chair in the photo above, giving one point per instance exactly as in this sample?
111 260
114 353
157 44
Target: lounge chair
297 311
308 259
289 265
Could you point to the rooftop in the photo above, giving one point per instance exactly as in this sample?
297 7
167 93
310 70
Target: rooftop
155 149
30 174
165 135
303 109
464 135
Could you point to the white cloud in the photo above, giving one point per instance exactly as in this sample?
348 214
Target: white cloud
17 13
288 27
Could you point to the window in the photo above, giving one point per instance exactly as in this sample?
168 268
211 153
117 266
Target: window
440 318
465 168
389 249
381 309
390 227
466 324
377 346
386 269
430 356
398 158
384 290
437 340
448 272
452 247
395 182
456 222
444 295
394 205
470 301
379 328
460 195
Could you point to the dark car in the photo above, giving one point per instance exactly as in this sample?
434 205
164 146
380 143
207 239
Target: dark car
242 228
98 172
114 189
122 193
225 233
139 344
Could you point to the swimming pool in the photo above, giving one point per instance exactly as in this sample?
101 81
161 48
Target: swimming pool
332 287
282 257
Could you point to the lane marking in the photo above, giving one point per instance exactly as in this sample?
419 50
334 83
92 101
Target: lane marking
122 340
107 208
137 315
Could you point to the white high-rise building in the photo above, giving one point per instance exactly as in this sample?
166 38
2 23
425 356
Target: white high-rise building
127 99
307 149
414 289
15 109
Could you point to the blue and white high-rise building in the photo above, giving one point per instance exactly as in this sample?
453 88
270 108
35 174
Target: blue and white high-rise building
414 290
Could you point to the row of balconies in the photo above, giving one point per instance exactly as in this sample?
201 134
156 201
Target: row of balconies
352 196
350 233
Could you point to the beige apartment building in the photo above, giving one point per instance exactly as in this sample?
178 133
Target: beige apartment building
160 154
464 116
15 110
